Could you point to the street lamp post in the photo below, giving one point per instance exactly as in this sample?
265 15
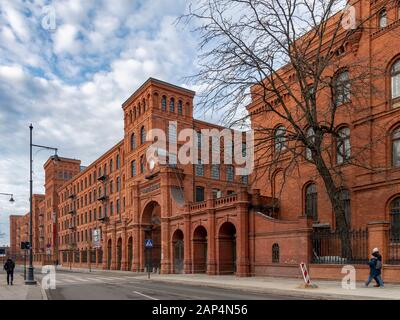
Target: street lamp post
31 280
8 194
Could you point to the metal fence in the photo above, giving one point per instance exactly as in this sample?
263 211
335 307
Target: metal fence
328 249
393 248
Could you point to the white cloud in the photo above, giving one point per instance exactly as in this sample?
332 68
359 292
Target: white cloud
71 83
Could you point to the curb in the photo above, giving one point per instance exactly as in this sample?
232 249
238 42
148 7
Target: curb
282 292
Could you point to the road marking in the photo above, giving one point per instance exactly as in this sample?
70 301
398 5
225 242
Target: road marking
69 280
79 279
145 295
95 279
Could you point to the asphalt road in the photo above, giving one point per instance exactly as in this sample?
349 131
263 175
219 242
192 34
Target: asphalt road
116 286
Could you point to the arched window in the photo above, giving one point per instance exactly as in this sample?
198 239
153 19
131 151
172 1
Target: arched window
311 197
343 147
311 138
382 19
117 161
280 138
130 116
133 170
142 135
344 197
396 148
342 88
395 79
180 107
172 105
275 253
395 220
141 164
164 103
144 105
133 142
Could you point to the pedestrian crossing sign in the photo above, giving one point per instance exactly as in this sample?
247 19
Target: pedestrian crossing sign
148 243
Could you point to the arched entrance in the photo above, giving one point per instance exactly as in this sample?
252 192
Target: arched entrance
130 253
119 254
227 248
109 254
200 250
151 226
177 241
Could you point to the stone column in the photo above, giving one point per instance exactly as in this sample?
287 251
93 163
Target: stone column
136 248
124 259
165 250
242 234
105 248
114 248
211 245
378 237
187 242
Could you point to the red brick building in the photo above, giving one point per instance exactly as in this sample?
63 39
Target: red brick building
202 218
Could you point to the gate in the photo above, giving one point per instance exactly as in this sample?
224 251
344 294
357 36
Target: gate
178 256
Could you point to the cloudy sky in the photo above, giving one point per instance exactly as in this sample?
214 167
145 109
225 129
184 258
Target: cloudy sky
70 78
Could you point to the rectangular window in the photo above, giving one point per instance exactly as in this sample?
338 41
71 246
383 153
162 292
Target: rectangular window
216 193
199 194
215 171
230 173
111 208
200 169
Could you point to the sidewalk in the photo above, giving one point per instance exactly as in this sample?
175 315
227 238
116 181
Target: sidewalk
279 286
286 286
19 291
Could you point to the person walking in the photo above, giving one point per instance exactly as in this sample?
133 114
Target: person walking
375 266
9 266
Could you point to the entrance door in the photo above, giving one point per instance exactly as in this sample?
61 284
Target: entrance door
178 256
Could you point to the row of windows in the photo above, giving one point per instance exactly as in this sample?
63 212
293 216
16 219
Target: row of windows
215 171
91 197
88 181
216 193
343 144
137 111
91 216
171 105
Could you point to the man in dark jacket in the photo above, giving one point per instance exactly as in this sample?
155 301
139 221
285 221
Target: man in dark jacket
9 266
375 266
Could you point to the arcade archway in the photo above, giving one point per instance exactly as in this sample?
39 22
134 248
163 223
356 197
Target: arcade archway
178 250
227 248
200 250
151 226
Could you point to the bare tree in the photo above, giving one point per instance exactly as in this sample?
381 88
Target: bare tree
294 60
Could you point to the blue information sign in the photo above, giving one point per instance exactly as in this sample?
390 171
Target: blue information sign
148 243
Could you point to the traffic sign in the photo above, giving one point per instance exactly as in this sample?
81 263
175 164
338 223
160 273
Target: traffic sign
148 243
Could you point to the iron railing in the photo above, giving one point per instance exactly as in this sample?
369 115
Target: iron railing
328 249
393 248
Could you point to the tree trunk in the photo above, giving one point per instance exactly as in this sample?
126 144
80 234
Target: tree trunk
342 226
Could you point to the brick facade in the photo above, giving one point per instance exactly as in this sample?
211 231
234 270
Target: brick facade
236 230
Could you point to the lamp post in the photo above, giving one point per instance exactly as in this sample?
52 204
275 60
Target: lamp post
30 280
10 195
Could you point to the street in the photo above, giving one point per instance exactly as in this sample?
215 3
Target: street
117 286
